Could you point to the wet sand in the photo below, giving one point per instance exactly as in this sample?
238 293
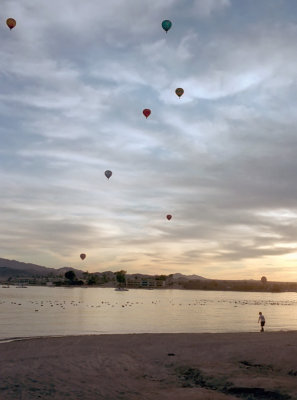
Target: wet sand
151 367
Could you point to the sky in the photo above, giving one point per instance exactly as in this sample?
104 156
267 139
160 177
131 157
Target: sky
75 77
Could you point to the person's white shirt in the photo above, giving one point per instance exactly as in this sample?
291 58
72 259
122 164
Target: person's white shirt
261 318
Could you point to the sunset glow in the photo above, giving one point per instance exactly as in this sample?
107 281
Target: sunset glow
221 159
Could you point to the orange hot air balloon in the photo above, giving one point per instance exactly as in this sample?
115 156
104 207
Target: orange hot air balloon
169 217
179 91
82 256
146 112
11 23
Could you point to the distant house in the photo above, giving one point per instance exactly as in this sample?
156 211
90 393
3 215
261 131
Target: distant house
144 282
22 280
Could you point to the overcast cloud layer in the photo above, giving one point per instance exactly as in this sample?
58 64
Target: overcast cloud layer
75 77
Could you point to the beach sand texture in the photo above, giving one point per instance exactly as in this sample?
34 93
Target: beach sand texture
151 367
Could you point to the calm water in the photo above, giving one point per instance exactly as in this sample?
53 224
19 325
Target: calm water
38 311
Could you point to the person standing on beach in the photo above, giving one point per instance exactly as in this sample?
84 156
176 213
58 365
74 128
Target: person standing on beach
261 319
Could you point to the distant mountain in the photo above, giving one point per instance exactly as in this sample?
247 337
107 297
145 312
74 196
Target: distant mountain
25 268
178 276
6 272
15 268
63 270
138 276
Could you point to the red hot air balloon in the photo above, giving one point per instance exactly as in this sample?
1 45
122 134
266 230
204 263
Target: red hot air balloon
82 256
11 23
146 112
169 217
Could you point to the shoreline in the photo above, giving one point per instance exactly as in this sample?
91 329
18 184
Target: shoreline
86 335
173 287
188 366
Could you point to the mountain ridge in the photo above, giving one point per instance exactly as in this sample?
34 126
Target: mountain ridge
20 268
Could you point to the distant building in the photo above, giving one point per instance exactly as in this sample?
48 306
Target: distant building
22 280
147 282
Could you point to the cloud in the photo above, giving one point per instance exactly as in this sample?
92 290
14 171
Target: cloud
221 159
206 8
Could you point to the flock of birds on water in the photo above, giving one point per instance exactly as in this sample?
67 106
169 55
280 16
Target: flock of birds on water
166 25
64 304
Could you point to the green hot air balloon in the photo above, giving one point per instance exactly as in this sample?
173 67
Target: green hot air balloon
166 25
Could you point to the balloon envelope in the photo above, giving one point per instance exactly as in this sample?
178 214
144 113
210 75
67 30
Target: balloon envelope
146 112
169 217
82 256
11 23
179 91
108 174
166 25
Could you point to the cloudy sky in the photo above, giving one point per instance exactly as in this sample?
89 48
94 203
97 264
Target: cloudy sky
75 77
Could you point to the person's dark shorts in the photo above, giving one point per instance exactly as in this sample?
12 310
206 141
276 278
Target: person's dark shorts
262 323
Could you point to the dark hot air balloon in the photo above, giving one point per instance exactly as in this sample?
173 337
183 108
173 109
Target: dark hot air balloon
179 91
169 217
11 23
146 112
82 256
108 174
166 25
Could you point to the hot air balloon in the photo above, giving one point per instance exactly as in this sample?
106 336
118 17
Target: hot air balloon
82 256
179 91
169 217
108 174
146 112
166 25
11 23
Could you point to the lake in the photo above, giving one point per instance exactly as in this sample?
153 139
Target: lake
49 311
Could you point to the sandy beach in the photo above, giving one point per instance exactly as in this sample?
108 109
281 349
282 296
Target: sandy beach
151 366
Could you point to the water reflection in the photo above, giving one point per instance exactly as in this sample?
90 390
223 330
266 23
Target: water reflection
38 311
